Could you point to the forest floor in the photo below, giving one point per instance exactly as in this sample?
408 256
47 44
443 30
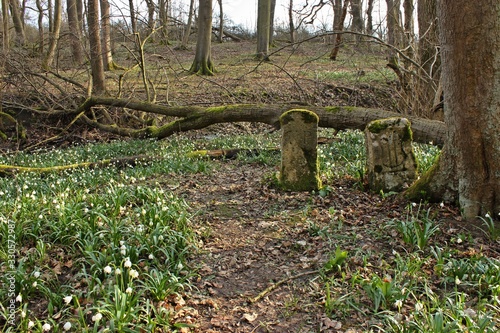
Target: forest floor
255 237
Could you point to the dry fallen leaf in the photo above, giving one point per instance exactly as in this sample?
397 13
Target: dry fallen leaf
250 317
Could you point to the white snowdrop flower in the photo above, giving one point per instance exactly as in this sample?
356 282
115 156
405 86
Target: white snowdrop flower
46 327
23 314
107 269
34 284
84 197
457 280
459 240
180 266
419 306
441 204
160 238
31 324
398 303
36 274
97 317
143 212
118 271
151 257
127 263
140 228
128 290
40 216
487 216
19 298
133 273
68 299
67 326
122 243
414 204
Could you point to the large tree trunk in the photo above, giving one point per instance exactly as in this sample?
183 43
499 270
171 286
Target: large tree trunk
193 117
263 26
470 49
221 22
96 63
369 17
202 63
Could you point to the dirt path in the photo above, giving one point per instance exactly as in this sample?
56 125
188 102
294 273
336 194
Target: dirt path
255 236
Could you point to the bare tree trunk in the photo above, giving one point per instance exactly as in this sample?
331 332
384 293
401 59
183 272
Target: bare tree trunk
393 30
202 63
408 30
163 8
339 28
133 16
291 24
41 34
271 22
151 16
18 23
263 25
54 35
107 55
369 17
96 63
74 32
187 32
357 19
221 22
5 26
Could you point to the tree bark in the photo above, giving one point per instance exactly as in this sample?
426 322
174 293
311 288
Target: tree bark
357 19
133 16
470 161
18 22
339 28
221 22
369 17
263 25
96 63
5 26
291 24
54 35
74 32
193 117
202 63
107 56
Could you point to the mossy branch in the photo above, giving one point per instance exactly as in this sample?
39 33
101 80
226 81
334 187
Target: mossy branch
11 170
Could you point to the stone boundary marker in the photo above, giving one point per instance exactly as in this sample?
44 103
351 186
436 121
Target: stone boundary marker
299 153
391 163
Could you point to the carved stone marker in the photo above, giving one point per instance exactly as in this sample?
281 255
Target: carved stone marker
299 154
391 164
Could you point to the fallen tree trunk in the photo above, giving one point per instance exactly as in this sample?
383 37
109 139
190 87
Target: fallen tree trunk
195 117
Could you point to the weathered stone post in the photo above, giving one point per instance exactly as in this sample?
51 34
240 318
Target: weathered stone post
299 154
391 164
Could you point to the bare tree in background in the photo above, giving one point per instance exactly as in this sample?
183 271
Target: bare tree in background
96 62
369 17
5 26
75 33
221 22
54 35
202 63
16 16
107 55
263 28
339 27
187 31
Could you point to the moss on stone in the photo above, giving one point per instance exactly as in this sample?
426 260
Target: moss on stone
307 116
377 126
